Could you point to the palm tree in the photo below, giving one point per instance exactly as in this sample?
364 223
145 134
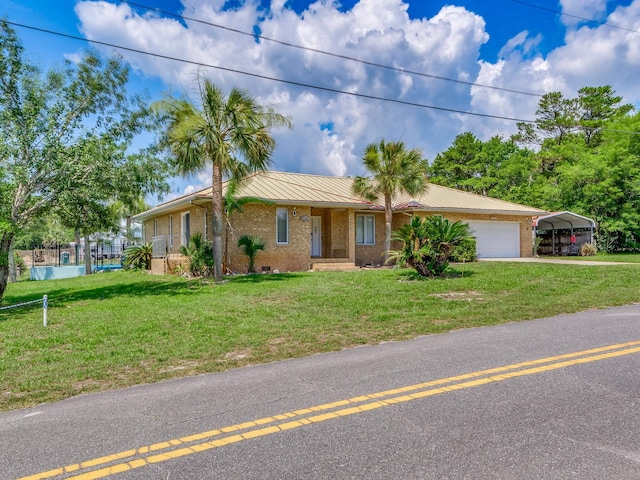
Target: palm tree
251 246
223 133
395 170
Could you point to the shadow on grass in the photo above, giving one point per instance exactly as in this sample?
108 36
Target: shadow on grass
144 287
413 276
261 278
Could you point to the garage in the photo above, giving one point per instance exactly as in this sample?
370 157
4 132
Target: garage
496 239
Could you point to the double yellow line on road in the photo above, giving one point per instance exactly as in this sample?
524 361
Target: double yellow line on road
192 444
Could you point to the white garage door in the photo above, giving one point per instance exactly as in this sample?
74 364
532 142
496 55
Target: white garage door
496 239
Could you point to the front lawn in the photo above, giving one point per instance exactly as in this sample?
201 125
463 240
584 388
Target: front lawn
122 328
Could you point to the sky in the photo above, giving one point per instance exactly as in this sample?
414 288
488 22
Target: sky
435 62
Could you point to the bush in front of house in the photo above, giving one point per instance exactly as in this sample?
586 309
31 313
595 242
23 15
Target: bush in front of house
428 244
465 251
200 255
138 257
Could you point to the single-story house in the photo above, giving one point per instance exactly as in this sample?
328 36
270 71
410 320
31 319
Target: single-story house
563 233
317 222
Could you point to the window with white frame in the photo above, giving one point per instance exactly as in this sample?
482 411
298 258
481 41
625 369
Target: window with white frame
155 228
282 226
365 230
170 230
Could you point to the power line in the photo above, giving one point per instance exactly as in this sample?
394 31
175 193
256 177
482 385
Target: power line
274 79
324 52
559 12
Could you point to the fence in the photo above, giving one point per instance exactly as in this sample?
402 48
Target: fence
63 256
45 306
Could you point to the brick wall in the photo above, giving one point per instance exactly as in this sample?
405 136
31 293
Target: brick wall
260 220
372 254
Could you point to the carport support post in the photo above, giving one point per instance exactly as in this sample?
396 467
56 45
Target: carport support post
553 241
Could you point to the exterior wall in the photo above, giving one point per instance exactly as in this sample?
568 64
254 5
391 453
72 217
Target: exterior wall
338 235
372 254
260 220
196 222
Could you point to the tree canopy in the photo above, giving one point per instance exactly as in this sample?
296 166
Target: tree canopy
581 154
65 136
394 170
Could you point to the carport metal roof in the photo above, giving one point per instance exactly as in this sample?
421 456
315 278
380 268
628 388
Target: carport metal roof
563 220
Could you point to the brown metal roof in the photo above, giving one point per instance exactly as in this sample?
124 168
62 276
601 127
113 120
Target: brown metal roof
306 189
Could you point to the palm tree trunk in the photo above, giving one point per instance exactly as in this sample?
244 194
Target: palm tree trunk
217 219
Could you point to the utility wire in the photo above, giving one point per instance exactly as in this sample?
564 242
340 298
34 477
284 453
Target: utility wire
324 52
559 12
255 75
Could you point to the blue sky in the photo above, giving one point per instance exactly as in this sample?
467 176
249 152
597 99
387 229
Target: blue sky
508 44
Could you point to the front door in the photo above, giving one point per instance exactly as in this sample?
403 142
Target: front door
316 236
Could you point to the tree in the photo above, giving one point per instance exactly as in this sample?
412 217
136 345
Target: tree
222 133
394 170
597 105
251 245
428 244
41 117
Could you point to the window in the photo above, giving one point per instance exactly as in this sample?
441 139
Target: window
185 227
170 231
365 230
282 225
155 228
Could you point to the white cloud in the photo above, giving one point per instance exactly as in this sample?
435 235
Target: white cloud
590 9
591 56
332 130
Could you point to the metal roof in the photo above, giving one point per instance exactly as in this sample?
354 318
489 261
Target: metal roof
328 191
560 220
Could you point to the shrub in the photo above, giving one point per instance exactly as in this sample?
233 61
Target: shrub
428 244
200 254
465 251
138 257
535 245
587 250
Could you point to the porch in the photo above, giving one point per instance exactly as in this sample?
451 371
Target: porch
332 238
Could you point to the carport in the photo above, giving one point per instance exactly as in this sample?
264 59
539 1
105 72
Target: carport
563 233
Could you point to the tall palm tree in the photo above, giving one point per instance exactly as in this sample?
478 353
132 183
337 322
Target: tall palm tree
394 170
222 133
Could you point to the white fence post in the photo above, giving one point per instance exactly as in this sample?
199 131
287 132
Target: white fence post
45 306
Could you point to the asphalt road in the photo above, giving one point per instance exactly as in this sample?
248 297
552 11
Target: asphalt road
566 405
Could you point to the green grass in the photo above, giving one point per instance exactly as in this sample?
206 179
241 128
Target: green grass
123 328
604 257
